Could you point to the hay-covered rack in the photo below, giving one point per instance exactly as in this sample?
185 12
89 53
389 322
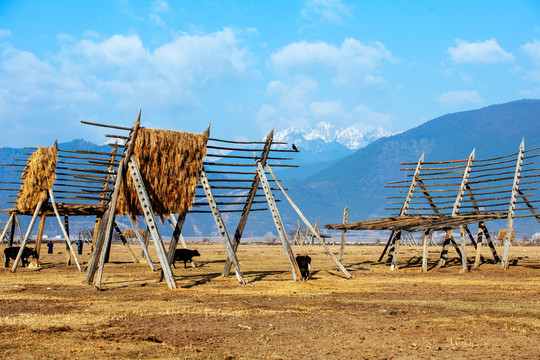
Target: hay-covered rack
448 195
229 177
231 180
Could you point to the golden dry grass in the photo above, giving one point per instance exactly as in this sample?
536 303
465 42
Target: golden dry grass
485 313
38 177
169 162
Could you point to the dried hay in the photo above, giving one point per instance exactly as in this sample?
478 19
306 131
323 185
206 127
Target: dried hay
38 177
501 235
169 162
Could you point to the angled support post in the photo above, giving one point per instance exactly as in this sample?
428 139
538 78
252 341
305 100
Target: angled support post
394 257
249 201
125 242
41 230
528 203
6 227
177 234
142 243
221 227
64 231
343 234
103 240
512 207
27 236
310 227
425 251
150 219
297 276
455 209
482 230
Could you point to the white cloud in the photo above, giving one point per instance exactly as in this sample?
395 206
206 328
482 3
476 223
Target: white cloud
487 52
457 98
369 119
118 50
269 117
532 49
327 109
4 33
352 62
118 72
293 96
327 11
158 7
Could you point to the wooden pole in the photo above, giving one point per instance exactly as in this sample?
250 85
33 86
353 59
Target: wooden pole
11 234
150 219
395 241
27 236
221 227
249 201
125 242
455 208
6 227
41 230
66 235
512 207
343 234
463 249
478 255
425 251
142 242
336 260
66 226
19 228
98 256
297 275
177 234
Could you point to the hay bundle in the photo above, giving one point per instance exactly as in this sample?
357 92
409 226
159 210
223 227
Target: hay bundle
38 177
501 235
169 162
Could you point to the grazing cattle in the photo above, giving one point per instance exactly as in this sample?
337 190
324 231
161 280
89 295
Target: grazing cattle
12 251
184 255
304 263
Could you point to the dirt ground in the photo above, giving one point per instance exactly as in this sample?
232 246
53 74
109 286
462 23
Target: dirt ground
380 314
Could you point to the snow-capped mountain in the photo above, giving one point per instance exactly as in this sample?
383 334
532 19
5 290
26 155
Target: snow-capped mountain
351 137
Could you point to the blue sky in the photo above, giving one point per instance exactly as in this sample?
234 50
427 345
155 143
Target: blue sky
249 66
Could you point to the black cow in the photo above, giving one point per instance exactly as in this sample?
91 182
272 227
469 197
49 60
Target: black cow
12 251
184 255
304 263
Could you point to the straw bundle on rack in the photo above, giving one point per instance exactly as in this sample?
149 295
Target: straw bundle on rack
169 162
38 177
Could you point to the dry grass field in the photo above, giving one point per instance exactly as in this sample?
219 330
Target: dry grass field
483 314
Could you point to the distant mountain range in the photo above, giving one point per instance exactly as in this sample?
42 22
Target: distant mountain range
358 180
336 171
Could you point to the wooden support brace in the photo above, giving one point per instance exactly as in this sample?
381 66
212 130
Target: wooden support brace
26 237
463 250
125 242
10 220
66 235
336 260
177 234
512 207
221 227
478 257
41 230
425 251
343 234
142 243
149 216
297 276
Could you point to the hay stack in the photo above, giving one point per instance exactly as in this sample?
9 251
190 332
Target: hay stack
38 177
169 162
